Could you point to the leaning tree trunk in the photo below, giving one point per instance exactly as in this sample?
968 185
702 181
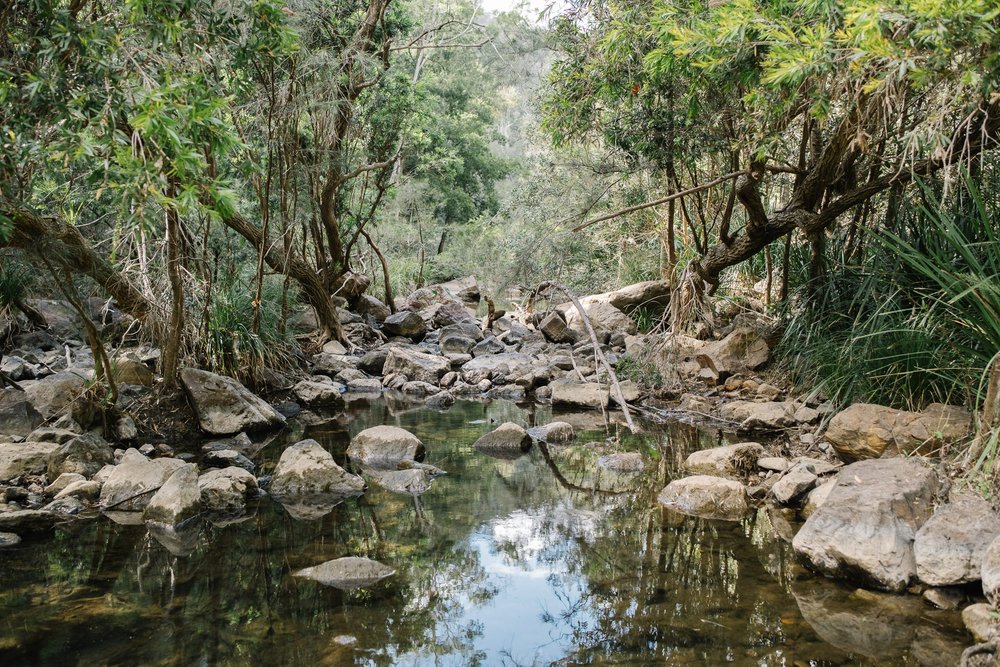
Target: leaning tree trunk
64 242
295 268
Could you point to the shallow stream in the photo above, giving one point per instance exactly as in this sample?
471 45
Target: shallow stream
543 559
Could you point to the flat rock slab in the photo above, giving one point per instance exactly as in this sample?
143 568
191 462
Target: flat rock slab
347 573
28 521
707 497
580 394
224 406
411 482
866 527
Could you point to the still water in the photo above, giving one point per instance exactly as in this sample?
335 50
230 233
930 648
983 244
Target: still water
545 559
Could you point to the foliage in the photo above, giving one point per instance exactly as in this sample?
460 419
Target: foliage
231 347
640 371
918 322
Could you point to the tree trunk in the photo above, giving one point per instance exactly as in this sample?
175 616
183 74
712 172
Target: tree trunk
175 327
65 244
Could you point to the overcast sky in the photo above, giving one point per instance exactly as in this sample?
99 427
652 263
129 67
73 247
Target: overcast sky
531 8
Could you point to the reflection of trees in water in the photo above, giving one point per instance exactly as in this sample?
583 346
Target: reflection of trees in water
631 582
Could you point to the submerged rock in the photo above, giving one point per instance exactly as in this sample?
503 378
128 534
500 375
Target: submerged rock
622 462
9 540
224 406
385 446
410 482
981 622
347 573
306 468
707 497
868 523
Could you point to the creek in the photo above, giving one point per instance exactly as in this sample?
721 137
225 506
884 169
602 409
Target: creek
542 559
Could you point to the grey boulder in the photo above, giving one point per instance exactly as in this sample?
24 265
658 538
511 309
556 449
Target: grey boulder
306 468
224 406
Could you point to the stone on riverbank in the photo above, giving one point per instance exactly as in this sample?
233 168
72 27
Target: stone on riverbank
949 548
313 393
707 497
306 468
868 523
224 406
385 446
84 454
405 323
416 365
23 458
738 459
866 431
579 394
767 416
18 415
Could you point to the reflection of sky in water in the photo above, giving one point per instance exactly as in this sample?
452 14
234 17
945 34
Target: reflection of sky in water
525 622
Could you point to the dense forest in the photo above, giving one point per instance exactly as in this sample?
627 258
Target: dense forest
213 166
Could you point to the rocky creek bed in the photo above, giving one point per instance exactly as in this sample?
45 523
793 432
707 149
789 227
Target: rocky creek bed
380 432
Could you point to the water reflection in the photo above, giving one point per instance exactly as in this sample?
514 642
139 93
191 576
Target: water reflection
545 558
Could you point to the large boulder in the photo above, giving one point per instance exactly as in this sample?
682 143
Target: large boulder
416 365
990 572
347 573
867 525
306 468
707 497
224 406
84 454
405 323
178 499
866 431
738 459
385 446
226 489
24 458
743 349
367 305
508 437
651 293
55 394
579 394
949 548
18 415
603 317
132 482
506 363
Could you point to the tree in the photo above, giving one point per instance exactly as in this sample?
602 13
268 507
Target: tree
813 108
